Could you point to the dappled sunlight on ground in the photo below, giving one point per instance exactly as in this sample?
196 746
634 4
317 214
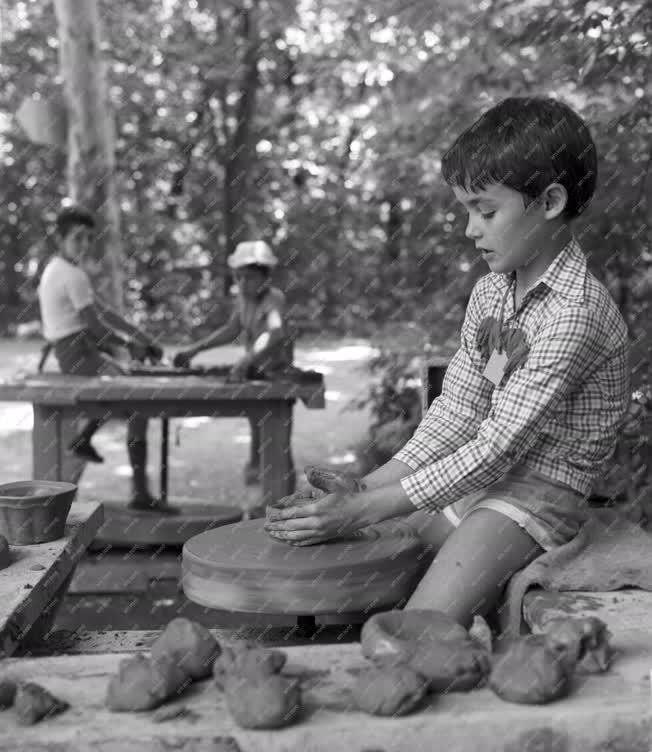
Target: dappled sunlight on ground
341 354
15 416
309 366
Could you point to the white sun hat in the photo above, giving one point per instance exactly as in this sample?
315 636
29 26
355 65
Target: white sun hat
252 252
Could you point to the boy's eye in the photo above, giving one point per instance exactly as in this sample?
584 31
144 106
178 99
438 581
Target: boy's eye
487 215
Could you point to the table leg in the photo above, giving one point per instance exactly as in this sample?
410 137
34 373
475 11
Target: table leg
71 423
165 448
275 450
53 429
46 443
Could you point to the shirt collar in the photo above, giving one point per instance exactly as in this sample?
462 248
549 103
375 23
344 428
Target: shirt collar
565 275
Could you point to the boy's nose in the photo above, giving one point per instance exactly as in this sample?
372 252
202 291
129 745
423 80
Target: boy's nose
471 231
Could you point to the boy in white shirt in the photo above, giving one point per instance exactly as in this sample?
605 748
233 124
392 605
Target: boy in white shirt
80 327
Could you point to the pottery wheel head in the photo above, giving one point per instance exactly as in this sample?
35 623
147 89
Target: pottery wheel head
246 546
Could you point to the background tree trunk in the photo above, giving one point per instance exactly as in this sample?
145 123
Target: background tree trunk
239 156
91 137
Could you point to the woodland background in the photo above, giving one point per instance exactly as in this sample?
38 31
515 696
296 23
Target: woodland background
319 126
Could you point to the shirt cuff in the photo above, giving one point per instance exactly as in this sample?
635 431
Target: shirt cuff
414 454
416 494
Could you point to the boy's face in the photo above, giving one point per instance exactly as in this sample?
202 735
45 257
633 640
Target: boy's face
509 236
76 243
251 282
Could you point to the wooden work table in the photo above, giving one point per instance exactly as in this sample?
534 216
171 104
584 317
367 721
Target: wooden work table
60 401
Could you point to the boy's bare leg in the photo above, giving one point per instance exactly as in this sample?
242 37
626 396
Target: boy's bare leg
473 566
432 529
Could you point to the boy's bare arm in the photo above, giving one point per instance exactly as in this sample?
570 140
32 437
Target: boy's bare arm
265 343
222 336
102 333
393 470
115 321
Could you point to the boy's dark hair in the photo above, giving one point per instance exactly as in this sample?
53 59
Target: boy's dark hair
526 143
71 216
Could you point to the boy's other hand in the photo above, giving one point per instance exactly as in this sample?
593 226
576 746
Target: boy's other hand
182 359
239 370
137 350
316 521
154 352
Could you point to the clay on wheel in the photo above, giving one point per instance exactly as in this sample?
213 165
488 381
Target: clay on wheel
188 644
531 672
33 703
143 684
587 642
389 690
332 481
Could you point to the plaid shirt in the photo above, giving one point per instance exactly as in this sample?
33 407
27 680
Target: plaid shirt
557 413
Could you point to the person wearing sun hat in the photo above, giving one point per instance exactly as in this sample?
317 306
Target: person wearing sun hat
259 321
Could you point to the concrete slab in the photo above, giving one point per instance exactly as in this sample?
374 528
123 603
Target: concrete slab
622 610
607 713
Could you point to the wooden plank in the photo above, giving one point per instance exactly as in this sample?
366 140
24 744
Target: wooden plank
43 390
138 640
36 573
57 388
46 445
609 711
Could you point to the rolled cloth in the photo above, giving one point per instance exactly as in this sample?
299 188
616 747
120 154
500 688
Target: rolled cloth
608 553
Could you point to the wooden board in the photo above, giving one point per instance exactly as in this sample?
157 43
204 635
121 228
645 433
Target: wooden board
241 568
607 712
37 572
128 527
63 389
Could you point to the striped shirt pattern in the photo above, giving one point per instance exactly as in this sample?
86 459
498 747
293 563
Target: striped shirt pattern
557 413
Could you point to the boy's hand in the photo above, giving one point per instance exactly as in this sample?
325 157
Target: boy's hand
316 521
137 350
182 359
239 370
154 352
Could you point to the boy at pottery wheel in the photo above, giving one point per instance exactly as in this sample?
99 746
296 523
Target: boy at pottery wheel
259 318
500 467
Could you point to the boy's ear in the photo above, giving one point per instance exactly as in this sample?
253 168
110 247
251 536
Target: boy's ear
555 199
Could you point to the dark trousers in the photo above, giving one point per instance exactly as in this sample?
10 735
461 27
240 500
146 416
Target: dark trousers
79 355
255 455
